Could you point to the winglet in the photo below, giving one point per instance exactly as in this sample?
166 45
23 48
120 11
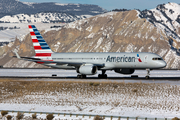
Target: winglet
17 55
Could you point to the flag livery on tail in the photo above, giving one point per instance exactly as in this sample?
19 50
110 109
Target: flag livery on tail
41 48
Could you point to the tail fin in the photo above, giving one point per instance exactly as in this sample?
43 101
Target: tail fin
41 48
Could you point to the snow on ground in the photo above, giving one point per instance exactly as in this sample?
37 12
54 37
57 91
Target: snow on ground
10 34
28 116
135 99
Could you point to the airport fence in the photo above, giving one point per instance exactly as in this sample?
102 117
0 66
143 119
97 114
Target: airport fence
90 115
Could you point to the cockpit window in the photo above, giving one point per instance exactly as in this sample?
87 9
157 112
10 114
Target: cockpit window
157 59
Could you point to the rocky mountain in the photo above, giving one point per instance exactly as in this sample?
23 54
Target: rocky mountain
167 18
155 30
13 7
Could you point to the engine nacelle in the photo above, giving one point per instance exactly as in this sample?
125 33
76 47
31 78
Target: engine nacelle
124 71
87 69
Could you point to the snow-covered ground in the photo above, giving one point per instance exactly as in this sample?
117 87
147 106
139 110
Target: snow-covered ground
41 116
136 99
11 34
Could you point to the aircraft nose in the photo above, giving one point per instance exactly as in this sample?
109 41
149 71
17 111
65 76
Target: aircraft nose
163 64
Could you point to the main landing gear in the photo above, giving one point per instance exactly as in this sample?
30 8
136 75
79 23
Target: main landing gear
148 73
81 76
103 75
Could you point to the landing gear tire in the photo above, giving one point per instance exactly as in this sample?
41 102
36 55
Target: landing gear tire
81 76
147 77
148 73
102 76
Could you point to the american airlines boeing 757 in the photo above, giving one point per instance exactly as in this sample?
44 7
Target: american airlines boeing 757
90 63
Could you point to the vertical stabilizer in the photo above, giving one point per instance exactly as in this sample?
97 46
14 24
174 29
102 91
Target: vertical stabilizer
41 48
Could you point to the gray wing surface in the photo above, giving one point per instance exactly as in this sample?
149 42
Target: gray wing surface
60 63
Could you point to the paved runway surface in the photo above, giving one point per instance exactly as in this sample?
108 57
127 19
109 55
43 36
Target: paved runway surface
72 73
161 75
157 76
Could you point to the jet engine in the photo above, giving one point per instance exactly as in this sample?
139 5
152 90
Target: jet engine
87 69
124 71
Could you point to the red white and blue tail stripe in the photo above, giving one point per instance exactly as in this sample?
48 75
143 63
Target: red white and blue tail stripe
41 48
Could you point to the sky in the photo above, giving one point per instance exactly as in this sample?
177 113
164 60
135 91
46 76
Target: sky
113 4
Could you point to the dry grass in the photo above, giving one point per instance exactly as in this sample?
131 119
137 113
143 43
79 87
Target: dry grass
9 117
19 116
97 118
137 95
49 117
176 118
34 116
3 113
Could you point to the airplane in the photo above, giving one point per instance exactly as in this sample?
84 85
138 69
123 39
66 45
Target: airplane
90 63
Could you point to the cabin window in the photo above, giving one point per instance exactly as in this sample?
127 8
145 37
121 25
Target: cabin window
156 58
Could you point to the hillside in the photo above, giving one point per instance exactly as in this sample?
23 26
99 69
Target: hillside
14 11
167 18
13 7
111 32
43 17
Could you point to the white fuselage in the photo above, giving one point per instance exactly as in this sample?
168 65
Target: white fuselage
110 60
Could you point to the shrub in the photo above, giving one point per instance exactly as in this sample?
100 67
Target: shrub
96 84
97 117
34 116
19 115
115 86
91 83
134 90
4 113
49 117
175 118
9 117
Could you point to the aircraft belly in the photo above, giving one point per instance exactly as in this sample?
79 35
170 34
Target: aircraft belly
115 65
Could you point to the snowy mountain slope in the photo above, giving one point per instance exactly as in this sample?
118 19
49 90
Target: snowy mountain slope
41 18
8 35
167 18
11 36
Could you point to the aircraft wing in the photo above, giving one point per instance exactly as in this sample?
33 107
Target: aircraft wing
56 62
64 63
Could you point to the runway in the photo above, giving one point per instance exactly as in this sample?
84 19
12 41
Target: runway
171 77
71 74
